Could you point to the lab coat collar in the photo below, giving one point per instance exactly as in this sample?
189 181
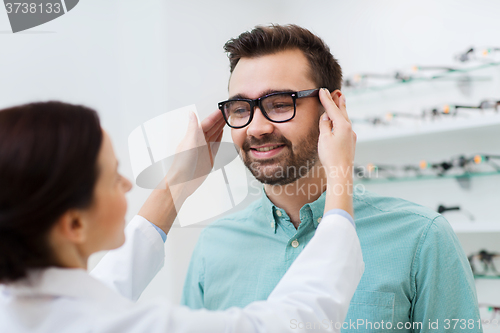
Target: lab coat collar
61 282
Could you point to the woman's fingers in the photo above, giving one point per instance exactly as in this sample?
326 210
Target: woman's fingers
215 135
325 125
216 126
213 128
335 148
219 137
334 112
214 146
214 132
193 122
343 107
331 108
212 122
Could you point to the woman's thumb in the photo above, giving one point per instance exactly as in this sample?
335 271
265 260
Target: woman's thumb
193 120
325 124
193 126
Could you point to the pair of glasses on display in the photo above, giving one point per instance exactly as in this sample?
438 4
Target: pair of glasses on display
486 104
494 318
463 163
443 209
476 54
485 263
393 116
456 166
358 79
446 110
278 107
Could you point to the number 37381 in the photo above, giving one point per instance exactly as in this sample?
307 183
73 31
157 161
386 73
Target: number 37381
32 8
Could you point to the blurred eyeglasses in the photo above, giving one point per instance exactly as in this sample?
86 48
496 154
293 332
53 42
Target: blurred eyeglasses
477 54
443 209
466 55
277 107
433 68
370 121
457 166
463 163
486 104
485 263
494 310
428 114
360 80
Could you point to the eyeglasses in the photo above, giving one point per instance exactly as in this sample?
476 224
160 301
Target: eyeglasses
486 104
460 166
443 209
277 107
485 263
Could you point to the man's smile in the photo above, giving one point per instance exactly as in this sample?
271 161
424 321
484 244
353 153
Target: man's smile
266 151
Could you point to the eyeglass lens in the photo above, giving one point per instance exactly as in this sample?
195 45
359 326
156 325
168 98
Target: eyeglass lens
278 107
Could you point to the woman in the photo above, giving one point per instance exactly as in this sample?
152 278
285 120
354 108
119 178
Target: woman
62 199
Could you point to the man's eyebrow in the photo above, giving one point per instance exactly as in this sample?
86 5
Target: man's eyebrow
264 93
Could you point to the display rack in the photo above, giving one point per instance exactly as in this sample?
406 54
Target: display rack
406 141
450 75
487 277
426 177
445 126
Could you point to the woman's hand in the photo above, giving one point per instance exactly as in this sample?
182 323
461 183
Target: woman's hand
193 162
195 156
336 149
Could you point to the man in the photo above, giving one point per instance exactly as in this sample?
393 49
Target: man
417 278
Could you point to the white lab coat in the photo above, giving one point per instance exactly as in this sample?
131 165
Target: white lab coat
316 290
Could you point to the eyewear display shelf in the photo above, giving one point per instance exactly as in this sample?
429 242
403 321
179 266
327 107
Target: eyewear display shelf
487 277
443 128
465 73
406 141
458 226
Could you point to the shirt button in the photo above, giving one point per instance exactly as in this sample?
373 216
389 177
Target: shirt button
319 219
278 212
295 243
272 224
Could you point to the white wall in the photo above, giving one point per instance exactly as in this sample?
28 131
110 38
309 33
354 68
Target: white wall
135 60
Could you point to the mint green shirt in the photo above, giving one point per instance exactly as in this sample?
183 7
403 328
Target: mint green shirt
417 277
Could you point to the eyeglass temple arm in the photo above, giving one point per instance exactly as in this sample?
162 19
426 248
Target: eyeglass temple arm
467 107
308 93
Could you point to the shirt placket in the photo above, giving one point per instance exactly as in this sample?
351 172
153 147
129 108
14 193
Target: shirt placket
296 240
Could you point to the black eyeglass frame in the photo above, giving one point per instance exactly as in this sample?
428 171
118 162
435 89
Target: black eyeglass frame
258 102
486 259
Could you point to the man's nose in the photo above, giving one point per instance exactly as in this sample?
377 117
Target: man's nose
260 125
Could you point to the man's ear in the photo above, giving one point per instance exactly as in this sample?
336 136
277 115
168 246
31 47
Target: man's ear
72 226
336 97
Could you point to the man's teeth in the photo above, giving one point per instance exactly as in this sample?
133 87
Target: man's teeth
267 148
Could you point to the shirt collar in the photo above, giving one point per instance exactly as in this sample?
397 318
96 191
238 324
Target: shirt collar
272 212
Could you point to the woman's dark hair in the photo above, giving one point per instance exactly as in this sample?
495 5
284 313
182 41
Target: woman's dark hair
265 40
48 165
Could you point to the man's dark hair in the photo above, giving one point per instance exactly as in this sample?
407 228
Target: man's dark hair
48 165
325 70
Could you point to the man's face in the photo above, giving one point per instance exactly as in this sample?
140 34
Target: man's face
277 153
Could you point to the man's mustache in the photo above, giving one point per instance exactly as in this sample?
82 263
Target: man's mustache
271 139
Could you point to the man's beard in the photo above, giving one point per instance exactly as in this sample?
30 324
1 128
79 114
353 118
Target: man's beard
291 165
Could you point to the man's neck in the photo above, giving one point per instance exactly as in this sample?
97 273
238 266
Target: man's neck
292 197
